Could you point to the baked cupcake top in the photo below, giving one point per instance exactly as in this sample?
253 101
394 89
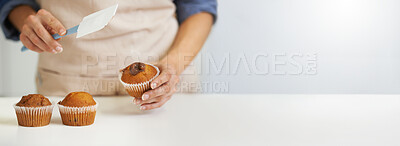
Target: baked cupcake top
78 99
138 73
33 100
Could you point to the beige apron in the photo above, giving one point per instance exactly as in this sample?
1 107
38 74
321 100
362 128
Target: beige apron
141 30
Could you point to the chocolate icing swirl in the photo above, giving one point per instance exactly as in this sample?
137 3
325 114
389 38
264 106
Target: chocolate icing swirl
136 68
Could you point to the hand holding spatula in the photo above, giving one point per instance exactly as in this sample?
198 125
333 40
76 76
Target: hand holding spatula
91 23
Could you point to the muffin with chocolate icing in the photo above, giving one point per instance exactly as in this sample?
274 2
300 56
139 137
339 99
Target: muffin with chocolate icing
33 110
137 76
78 109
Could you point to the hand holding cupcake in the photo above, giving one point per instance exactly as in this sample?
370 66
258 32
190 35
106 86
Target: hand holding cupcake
136 78
152 86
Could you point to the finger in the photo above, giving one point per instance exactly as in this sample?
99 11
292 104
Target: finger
153 100
136 101
155 105
36 40
164 89
49 29
28 44
45 35
161 79
51 21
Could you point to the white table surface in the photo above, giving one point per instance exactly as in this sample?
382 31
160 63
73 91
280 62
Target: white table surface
194 119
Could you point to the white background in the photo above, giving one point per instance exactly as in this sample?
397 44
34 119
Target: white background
356 43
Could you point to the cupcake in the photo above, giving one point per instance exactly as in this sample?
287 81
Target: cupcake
78 109
33 110
136 78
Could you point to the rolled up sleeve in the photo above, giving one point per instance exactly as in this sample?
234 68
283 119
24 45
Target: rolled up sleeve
10 32
187 8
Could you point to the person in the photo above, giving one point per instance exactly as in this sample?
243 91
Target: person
164 32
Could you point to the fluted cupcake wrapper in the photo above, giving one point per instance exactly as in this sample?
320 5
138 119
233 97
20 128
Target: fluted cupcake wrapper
137 90
77 116
33 116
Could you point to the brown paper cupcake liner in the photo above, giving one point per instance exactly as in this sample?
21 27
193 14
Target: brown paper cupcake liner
77 116
137 90
33 116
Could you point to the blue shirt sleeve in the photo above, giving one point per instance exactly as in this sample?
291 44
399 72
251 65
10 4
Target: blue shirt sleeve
10 32
187 8
2 2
